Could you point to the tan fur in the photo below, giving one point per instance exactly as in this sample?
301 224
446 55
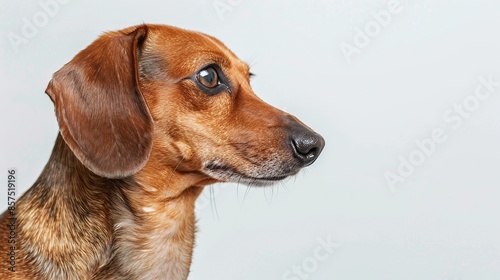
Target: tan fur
139 139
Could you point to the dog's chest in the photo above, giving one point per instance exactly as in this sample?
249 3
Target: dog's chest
157 242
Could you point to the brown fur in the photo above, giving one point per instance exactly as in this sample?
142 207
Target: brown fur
138 141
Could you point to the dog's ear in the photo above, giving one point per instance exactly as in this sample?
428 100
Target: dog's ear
102 114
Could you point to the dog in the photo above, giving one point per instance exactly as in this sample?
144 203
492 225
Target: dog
148 116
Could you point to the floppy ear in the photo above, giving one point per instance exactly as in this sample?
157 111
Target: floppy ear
101 112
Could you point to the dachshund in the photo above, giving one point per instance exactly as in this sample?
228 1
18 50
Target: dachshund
148 116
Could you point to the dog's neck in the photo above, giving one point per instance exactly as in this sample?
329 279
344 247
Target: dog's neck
74 224
156 239
156 242
62 227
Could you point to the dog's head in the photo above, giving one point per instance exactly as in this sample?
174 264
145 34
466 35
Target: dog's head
180 96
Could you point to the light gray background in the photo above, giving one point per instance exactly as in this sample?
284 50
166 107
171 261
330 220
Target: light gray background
440 223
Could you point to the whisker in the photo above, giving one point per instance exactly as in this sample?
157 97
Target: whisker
246 192
304 171
284 186
213 204
175 169
265 196
237 188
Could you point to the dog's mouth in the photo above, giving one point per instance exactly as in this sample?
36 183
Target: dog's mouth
265 177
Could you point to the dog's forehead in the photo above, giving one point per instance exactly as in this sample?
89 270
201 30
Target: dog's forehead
192 49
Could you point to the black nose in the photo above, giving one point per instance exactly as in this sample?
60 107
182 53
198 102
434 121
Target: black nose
306 144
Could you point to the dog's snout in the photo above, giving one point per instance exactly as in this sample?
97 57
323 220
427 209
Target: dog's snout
306 144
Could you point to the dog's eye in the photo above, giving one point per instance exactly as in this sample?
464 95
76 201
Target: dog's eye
208 77
211 80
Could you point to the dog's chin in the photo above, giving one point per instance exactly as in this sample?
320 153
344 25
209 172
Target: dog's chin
224 173
260 182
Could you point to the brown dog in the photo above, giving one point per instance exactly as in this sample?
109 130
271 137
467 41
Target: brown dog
148 116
